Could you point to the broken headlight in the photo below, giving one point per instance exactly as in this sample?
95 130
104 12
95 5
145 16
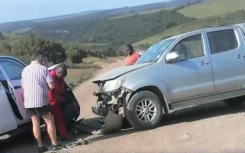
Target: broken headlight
113 85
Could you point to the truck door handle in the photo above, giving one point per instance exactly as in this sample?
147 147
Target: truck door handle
239 56
203 63
17 87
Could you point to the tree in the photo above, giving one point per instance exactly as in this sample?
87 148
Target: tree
31 45
1 36
75 53
5 48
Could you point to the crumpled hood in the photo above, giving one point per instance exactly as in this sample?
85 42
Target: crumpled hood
114 73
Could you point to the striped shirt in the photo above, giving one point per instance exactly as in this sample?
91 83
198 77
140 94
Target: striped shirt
34 83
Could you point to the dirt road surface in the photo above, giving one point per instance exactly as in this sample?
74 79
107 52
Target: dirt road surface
208 128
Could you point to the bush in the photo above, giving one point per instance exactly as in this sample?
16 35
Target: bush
27 47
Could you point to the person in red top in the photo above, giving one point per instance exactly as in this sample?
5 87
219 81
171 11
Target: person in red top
56 97
132 57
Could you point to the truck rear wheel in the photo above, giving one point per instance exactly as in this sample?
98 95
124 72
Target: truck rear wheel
145 110
235 102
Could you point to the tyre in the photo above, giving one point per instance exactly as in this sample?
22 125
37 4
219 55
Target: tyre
146 112
235 102
71 112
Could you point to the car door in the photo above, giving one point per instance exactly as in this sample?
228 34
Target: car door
7 117
228 59
190 75
13 70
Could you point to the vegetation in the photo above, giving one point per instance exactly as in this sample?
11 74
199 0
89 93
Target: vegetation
13 26
1 36
212 8
112 32
84 41
81 62
141 13
222 20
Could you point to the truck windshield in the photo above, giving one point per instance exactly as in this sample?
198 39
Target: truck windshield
155 52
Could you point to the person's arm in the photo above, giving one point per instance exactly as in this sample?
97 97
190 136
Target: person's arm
49 80
138 55
61 98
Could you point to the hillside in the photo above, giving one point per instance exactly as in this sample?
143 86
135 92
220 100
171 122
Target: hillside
212 8
112 32
12 26
106 31
1 36
222 20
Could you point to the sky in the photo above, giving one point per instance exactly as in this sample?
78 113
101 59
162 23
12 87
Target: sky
16 10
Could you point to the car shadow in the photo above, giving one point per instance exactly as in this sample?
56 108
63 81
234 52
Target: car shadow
186 115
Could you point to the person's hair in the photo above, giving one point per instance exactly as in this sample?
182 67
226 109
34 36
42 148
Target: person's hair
63 68
39 57
130 47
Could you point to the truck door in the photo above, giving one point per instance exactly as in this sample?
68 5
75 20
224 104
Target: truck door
227 51
7 117
13 70
191 74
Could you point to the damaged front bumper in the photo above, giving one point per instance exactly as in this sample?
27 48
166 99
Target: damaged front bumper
111 107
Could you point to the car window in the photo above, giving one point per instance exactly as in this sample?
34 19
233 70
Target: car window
191 47
2 77
12 68
222 41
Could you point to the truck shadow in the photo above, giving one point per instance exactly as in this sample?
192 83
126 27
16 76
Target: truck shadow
186 115
27 144
201 112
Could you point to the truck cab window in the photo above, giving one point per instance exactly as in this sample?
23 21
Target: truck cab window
222 41
191 47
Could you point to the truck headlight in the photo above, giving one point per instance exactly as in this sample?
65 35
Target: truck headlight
113 85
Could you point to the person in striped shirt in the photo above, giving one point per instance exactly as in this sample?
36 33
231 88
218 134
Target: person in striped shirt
36 82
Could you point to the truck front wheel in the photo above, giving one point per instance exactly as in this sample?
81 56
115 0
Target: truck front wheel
144 110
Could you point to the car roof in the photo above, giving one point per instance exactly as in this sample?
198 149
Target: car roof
11 57
205 30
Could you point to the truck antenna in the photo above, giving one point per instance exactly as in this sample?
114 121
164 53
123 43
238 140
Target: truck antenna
216 22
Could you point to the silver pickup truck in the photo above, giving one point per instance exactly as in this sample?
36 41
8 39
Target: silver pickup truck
183 71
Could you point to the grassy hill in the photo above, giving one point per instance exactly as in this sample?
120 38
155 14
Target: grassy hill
111 32
141 13
90 36
222 20
212 8
96 14
224 12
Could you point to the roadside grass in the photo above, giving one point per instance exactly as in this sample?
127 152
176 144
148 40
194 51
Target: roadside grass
83 45
19 31
213 8
11 38
78 73
222 20
91 60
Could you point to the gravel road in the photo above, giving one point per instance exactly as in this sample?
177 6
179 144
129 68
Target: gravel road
208 128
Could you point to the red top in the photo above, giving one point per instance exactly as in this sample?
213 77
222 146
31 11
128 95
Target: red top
57 94
131 59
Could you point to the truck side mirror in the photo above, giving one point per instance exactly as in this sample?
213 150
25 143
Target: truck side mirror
172 56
